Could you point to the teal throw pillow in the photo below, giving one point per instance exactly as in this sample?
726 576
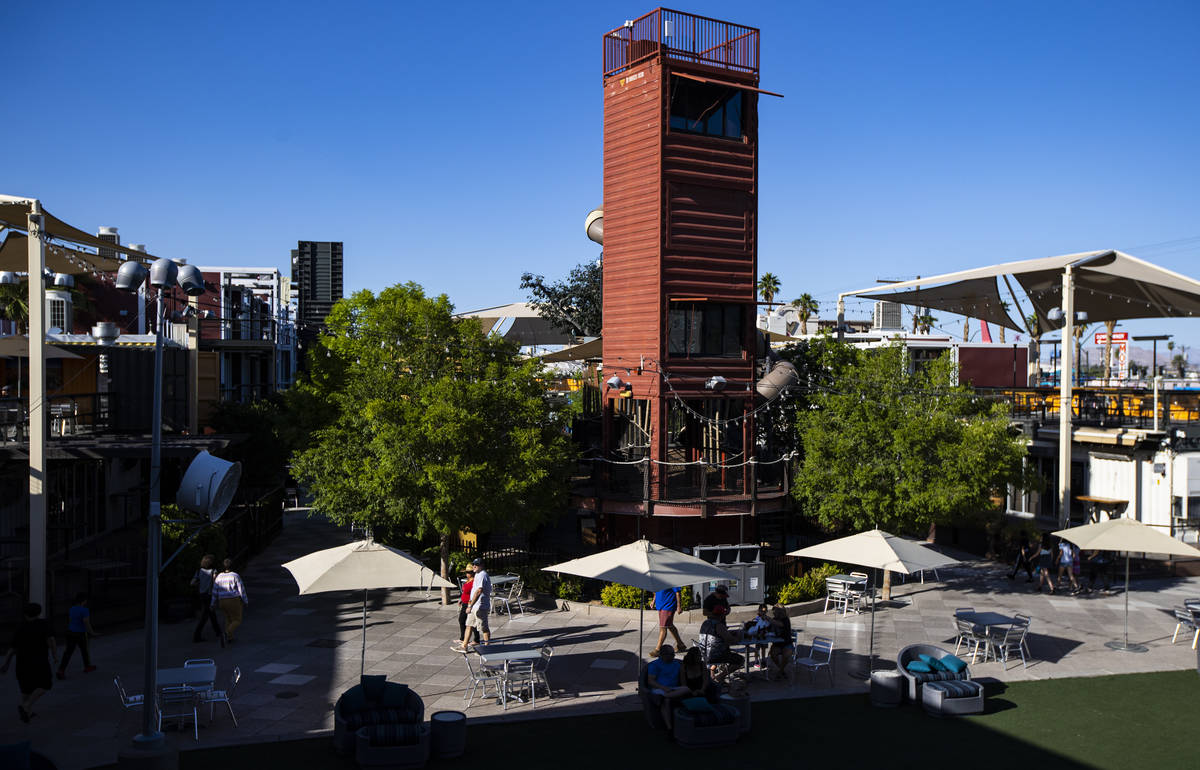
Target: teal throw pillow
918 667
954 663
933 663
696 705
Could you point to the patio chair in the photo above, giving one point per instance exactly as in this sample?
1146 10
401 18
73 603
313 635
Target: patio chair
512 597
193 662
795 653
178 703
1010 640
213 697
970 635
835 593
481 677
519 678
541 666
128 701
820 655
1190 619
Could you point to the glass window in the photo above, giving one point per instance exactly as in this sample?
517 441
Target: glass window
706 108
705 329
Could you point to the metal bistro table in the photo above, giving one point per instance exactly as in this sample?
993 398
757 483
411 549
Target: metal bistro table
494 655
196 677
747 643
849 583
986 619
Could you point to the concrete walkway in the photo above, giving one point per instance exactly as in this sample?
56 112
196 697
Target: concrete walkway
297 654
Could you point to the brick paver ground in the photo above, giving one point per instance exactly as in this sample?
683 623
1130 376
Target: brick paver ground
297 653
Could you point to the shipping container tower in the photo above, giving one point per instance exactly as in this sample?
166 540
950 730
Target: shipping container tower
680 259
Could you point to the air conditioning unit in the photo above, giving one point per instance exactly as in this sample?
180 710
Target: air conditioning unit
887 316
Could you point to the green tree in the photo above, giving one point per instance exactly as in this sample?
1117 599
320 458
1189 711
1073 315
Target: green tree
923 322
900 450
768 287
1035 332
1180 364
806 308
434 428
14 304
573 305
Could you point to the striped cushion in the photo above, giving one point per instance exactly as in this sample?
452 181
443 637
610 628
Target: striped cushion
394 734
956 689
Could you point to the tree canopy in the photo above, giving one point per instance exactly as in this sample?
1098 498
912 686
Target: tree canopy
898 449
432 426
574 304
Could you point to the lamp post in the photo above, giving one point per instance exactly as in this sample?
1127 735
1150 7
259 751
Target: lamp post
163 275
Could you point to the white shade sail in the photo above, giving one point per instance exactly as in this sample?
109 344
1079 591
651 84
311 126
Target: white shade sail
644 565
1125 535
360 566
879 550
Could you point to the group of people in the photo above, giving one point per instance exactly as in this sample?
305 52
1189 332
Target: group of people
1049 565
219 589
34 646
474 606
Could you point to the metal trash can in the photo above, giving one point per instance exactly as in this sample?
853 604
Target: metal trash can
448 734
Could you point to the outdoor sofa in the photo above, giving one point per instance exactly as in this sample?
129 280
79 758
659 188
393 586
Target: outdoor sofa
913 652
373 702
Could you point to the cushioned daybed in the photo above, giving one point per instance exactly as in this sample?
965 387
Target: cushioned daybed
377 702
915 679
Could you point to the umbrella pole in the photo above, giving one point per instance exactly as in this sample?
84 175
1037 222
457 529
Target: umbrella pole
641 626
871 647
1125 646
362 668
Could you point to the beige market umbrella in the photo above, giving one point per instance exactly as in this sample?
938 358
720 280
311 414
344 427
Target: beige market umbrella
1126 535
643 565
879 550
361 566
17 346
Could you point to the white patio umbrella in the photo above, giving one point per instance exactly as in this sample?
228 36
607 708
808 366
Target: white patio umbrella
1125 535
361 566
643 565
879 550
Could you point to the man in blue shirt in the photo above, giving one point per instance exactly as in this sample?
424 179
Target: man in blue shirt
667 602
663 676
79 628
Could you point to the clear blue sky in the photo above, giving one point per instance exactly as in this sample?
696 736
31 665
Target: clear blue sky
458 145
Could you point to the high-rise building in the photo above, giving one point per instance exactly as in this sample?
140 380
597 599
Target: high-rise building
316 280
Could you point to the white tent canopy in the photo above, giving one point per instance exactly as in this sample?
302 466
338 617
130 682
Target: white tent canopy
1109 286
527 328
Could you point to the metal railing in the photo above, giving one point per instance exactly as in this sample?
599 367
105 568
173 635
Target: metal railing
1105 407
684 37
693 482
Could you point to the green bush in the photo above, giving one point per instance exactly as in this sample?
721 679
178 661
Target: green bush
685 599
808 586
570 589
617 595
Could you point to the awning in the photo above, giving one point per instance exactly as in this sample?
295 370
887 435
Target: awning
14 212
591 349
528 327
727 83
1109 286
14 255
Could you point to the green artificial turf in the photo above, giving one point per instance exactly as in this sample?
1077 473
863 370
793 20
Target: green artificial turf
1126 721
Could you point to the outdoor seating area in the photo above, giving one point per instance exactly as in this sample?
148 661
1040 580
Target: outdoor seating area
182 694
996 635
1188 619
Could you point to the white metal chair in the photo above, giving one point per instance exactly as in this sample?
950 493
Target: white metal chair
517 678
181 701
820 655
541 666
481 677
128 701
795 653
194 662
512 597
213 697
970 635
1187 618
835 593
1010 640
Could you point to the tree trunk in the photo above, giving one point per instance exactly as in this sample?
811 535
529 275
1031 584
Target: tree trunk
966 329
1002 330
444 543
886 592
1109 326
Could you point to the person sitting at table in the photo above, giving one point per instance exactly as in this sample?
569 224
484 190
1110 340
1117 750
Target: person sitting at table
759 625
715 638
665 677
696 677
716 603
782 651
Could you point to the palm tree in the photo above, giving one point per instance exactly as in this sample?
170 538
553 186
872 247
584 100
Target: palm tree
768 287
14 304
1035 333
924 322
966 329
1180 364
806 307
1109 327
1003 305
1080 332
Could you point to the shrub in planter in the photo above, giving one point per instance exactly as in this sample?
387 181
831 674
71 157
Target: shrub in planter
808 586
570 590
617 595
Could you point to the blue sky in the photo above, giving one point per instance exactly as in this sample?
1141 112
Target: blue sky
458 146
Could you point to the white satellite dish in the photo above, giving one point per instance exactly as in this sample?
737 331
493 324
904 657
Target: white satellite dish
208 486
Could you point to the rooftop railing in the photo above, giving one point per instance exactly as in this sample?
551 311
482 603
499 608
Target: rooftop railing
683 37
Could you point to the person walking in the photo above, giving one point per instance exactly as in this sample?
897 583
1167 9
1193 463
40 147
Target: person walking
1066 562
229 593
464 602
667 601
1025 555
480 606
30 644
79 629
1045 565
203 581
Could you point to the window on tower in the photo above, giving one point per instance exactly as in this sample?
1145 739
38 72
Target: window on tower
706 108
705 329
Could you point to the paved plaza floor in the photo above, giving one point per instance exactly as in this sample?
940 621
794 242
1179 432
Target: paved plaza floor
298 653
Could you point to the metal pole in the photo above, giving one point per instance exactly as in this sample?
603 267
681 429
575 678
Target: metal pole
1127 600
641 623
1157 382
37 408
150 733
1064 400
362 668
841 320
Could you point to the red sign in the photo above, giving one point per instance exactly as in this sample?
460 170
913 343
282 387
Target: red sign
1102 337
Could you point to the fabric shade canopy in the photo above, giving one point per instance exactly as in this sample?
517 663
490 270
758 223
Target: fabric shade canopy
14 212
643 565
14 256
590 349
1109 285
1125 535
879 550
527 328
18 347
361 566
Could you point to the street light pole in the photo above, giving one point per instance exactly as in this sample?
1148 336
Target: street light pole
150 733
